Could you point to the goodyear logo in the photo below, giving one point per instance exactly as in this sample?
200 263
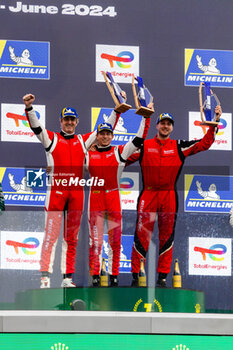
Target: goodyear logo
24 59
213 66
208 194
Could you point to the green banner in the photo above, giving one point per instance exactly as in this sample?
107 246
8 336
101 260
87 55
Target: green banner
113 299
113 341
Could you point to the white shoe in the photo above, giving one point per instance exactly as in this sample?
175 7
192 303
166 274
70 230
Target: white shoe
45 282
68 283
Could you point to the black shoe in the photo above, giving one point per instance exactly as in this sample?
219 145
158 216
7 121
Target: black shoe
96 281
113 281
161 283
134 282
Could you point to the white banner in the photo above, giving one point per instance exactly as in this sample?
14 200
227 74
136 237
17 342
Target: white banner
14 124
129 185
223 139
209 256
121 61
21 250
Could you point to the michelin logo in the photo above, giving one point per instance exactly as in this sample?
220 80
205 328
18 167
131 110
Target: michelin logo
119 128
24 59
213 66
18 191
125 257
210 69
125 129
19 187
213 196
210 194
106 250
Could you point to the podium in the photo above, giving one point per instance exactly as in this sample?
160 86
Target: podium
113 299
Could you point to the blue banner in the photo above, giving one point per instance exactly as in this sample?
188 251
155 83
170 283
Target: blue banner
126 250
24 187
126 128
24 59
208 194
213 66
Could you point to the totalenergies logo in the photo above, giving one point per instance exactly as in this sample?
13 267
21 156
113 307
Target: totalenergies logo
122 59
126 183
28 245
20 117
221 126
215 252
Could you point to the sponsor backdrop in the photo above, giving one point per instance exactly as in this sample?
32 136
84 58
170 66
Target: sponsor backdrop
57 52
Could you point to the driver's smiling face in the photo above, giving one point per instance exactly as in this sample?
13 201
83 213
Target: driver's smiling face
68 124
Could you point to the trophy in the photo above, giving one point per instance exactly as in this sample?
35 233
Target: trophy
142 98
115 91
208 115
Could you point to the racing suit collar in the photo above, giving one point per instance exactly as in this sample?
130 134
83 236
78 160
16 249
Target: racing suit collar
161 142
66 136
103 149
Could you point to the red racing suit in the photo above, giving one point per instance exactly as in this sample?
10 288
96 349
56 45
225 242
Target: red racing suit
161 163
107 163
65 157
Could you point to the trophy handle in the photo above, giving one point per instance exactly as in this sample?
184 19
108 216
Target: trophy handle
201 103
136 101
119 106
203 119
141 110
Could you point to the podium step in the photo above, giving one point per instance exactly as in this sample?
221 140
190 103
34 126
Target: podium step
112 299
